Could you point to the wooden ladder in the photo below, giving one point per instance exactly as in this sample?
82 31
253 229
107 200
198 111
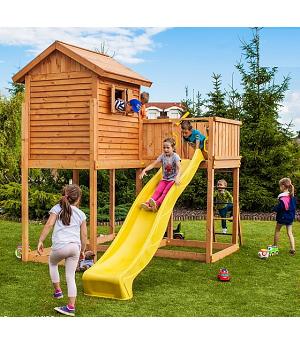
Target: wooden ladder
228 234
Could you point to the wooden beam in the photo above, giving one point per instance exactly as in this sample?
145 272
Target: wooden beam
210 193
196 244
121 164
178 254
24 179
170 227
225 120
138 181
236 211
221 164
25 168
225 252
93 174
58 164
75 177
112 200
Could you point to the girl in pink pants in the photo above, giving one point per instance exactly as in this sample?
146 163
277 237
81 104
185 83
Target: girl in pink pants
170 162
68 243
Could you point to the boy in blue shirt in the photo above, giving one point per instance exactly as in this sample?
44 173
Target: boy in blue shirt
191 136
134 105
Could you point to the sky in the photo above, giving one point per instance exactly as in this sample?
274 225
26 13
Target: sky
171 57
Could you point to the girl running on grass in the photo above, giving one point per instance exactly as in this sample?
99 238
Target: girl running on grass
170 162
68 242
286 210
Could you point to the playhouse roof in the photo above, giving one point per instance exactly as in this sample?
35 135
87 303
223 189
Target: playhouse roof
101 64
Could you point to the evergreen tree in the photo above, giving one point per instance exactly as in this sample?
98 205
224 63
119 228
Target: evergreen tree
267 148
234 103
10 137
216 98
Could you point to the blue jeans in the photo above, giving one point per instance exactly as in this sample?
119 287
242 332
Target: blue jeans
223 213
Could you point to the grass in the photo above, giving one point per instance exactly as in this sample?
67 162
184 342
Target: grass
167 287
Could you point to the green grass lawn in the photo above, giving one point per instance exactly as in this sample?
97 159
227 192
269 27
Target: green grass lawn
167 287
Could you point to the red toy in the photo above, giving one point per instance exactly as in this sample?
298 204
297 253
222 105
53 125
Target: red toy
224 275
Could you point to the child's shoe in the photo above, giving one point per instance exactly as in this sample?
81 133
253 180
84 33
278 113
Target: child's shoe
66 310
224 230
153 205
146 206
292 252
58 294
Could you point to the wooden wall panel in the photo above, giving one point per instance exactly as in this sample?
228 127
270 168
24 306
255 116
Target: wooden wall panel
227 142
61 90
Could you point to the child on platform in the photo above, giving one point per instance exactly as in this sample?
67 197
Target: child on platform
223 202
286 210
68 242
191 136
170 162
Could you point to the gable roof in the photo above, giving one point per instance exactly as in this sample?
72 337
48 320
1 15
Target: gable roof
101 64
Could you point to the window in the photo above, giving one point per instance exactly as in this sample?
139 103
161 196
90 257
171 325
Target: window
120 93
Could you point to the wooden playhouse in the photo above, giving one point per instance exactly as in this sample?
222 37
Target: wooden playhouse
69 122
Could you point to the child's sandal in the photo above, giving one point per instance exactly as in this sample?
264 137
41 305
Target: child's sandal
153 205
145 206
292 252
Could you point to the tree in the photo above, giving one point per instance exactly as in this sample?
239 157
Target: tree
194 107
267 148
10 137
216 99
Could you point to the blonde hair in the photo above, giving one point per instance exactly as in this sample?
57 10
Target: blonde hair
172 142
287 184
223 182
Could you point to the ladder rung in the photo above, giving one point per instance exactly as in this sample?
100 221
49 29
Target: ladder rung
221 233
219 218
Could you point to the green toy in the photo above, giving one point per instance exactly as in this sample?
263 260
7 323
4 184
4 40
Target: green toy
273 250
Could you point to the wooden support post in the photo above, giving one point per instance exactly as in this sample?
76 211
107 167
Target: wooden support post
93 175
25 169
112 200
138 181
75 177
170 227
236 211
210 193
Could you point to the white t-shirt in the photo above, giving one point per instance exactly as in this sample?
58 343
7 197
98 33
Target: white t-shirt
65 234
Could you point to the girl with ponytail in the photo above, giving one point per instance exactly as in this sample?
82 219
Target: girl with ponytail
286 210
68 241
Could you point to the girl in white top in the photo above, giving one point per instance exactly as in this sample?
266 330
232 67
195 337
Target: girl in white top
68 242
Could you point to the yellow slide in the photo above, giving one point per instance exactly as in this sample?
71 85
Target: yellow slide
138 239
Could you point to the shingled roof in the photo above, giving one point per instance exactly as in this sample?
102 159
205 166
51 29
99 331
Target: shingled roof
101 64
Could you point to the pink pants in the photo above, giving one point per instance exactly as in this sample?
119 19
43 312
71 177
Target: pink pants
70 253
161 191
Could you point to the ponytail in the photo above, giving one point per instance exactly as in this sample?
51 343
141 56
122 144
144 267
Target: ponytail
287 183
70 194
